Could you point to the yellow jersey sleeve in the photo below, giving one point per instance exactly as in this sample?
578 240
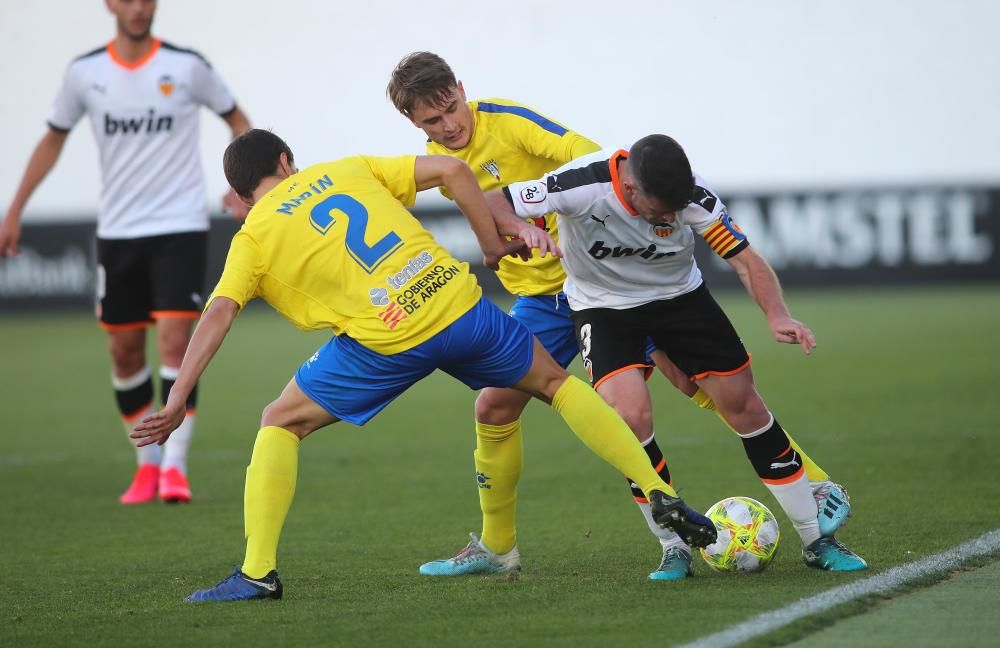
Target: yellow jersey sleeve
396 175
541 137
243 271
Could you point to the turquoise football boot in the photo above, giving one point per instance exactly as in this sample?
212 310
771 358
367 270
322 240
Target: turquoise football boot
830 554
834 505
474 558
676 565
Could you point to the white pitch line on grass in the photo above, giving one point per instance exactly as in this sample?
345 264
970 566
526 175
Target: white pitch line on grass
888 580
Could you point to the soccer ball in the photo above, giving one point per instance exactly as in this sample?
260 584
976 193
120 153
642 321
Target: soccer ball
748 536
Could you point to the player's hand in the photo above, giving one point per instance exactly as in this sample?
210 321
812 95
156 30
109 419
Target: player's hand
535 238
792 331
10 234
232 205
156 427
514 248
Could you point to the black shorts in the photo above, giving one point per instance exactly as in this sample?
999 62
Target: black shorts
143 279
691 329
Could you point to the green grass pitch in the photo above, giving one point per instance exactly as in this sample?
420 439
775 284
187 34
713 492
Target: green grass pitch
897 403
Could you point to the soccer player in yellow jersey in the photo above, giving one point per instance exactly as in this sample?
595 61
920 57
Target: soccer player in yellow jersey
504 142
334 247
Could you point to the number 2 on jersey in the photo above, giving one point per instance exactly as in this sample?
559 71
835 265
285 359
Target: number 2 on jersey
367 256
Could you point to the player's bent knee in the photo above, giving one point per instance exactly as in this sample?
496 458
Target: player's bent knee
127 359
499 406
277 414
641 423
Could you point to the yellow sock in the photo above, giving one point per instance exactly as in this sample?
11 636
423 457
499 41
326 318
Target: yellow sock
606 434
268 496
499 457
703 400
813 471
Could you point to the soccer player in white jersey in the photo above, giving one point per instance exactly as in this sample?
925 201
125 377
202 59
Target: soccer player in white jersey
505 141
628 222
143 97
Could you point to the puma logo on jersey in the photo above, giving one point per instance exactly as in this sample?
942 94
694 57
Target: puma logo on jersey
602 222
785 464
148 123
705 198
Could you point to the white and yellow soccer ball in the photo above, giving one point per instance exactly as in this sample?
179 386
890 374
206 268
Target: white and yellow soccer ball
748 536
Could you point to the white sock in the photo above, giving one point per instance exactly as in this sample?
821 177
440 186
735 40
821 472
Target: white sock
176 448
666 537
796 500
150 454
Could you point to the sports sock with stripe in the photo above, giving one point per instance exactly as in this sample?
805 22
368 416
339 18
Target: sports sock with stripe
666 537
813 471
602 430
780 468
134 396
175 450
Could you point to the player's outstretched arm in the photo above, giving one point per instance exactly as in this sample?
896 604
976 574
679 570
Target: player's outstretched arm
42 159
509 224
455 175
207 339
760 281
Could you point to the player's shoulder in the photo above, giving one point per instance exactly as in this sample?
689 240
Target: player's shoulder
90 55
89 59
358 168
184 52
589 170
514 114
704 198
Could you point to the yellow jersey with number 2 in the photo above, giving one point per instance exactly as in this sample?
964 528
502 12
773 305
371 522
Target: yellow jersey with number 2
334 246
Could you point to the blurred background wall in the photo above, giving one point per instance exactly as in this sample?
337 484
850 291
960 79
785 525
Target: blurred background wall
850 134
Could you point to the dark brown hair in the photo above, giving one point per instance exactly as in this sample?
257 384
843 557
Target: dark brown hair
662 169
420 76
251 157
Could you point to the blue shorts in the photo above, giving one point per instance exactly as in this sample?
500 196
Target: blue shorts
483 348
549 318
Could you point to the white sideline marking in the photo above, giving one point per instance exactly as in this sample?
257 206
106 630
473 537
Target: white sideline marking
888 580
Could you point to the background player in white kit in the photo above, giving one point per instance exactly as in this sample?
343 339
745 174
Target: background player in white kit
143 98
628 223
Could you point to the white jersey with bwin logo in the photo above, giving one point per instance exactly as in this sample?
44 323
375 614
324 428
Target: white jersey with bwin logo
145 119
612 257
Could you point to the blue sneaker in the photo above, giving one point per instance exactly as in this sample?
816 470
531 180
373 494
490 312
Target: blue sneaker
834 506
830 554
676 565
240 587
672 513
474 558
